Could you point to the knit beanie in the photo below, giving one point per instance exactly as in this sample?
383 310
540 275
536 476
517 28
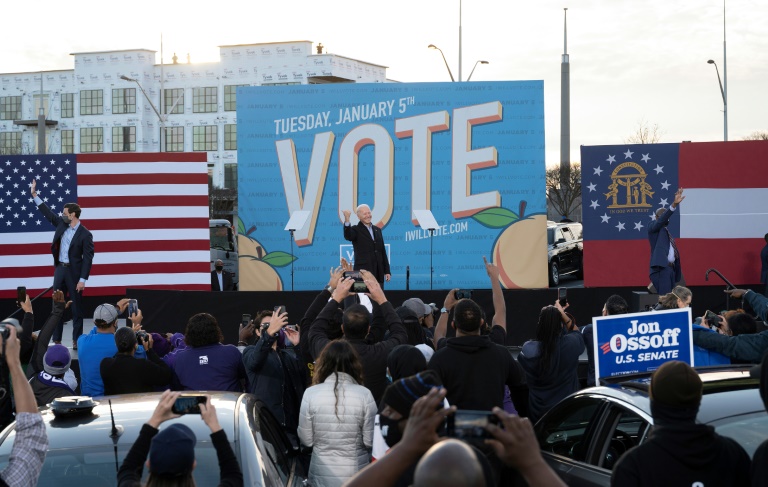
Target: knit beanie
675 394
401 394
57 360
405 361
172 452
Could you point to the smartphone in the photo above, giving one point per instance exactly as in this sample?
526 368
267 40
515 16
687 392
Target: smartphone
712 318
463 294
562 295
245 320
470 424
21 294
292 327
359 285
188 404
280 310
133 307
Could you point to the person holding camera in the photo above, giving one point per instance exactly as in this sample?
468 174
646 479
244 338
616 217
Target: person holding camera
100 344
368 244
31 443
356 323
275 374
125 374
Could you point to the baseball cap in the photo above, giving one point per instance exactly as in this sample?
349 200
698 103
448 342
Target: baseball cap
56 360
172 452
407 314
418 307
106 313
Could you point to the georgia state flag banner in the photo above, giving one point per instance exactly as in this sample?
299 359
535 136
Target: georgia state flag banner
720 224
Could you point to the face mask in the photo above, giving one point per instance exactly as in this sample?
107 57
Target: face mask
390 430
219 267
67 220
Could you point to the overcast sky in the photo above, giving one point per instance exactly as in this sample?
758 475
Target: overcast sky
630 61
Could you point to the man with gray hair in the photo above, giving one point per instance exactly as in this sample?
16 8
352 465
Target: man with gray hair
368 244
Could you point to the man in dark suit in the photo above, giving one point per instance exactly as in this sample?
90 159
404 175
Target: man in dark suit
368 243
221 280
72 250
665 271
764 265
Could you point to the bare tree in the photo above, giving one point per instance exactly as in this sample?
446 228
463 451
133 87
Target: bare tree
757 135
645 134
564 198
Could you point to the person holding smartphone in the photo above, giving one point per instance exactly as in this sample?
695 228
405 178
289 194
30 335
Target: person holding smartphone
275 374
171 450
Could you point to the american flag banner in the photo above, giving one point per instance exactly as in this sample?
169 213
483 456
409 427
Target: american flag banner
720 224
148 213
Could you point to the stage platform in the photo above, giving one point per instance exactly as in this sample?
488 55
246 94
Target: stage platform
168 311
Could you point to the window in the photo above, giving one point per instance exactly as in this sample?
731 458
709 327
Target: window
174 139
230 137
124 100
10 108
627 429
123 139
567 429
171 96
567 234
67 105
230 97
205 100
10 143
91 102
230 176
91 139
67 141
205 138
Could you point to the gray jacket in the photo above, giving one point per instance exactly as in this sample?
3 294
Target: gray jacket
340 433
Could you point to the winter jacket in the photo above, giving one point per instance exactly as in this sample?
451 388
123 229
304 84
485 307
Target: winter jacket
705 356
340 431
561 378
474 371
742 349
683 454
372 355
276 377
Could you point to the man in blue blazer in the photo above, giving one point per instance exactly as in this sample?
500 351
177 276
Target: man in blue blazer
665 271
72 250
368 243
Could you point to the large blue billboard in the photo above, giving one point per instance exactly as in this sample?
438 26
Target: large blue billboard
471 153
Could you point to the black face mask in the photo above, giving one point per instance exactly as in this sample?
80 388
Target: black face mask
67 220
390 430
219 267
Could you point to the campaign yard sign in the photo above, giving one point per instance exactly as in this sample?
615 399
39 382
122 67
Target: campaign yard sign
641 342
471 153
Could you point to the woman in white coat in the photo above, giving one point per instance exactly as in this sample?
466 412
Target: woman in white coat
336 417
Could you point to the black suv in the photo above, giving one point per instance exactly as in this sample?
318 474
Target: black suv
565 250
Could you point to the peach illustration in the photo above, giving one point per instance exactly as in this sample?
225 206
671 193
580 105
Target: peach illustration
520 252
256 274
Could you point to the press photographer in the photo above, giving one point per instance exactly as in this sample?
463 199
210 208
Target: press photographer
124 373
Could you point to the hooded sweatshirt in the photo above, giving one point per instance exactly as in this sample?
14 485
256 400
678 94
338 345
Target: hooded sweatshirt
684 453
560 379
760 458
475 370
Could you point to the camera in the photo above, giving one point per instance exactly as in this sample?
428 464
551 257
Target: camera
463 294
467 424
359 285
712 318
142 337
5 331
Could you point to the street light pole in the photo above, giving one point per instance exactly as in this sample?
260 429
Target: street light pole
432 46
473 68
160 117
725 102
460 42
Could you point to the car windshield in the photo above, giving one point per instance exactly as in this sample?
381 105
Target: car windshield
749 430
97 466
220 239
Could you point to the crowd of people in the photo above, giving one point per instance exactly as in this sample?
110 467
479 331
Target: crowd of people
364 387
